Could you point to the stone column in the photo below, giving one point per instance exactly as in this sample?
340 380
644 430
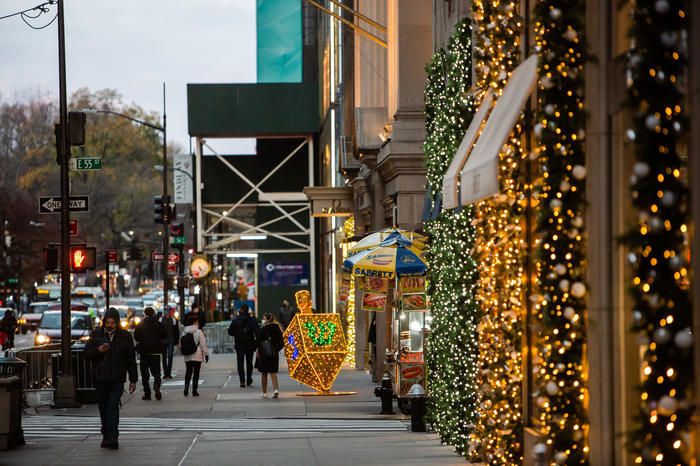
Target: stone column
400 163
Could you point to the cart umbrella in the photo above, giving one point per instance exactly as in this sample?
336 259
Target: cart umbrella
394 257
374 240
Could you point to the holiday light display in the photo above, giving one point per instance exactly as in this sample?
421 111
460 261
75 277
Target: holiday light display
349 232
452 351
560 300
314 346
497 438
658 245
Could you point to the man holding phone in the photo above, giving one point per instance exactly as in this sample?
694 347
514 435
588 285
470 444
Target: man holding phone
111 350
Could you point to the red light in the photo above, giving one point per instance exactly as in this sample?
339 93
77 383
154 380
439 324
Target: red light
78 259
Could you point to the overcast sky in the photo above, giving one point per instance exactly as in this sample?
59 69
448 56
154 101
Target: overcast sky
133 46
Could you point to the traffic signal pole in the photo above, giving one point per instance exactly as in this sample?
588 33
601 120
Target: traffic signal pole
166 209
66 395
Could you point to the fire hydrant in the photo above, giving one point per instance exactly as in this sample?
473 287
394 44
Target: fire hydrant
386 394
418 399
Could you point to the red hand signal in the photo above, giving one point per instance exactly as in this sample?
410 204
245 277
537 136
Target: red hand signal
78 259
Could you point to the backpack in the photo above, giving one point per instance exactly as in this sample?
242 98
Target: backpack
244 336
188 345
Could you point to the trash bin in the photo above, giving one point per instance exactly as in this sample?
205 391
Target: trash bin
82 370
11 433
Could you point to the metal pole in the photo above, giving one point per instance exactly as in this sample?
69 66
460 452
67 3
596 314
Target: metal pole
66 395
181 281
166 221
198 195
312 226
107 281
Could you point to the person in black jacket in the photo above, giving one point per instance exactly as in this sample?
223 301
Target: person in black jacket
111 351
270 343
244 329
150 336
197 311
8 325
172 339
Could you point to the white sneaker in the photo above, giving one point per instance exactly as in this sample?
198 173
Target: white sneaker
264 396
276 394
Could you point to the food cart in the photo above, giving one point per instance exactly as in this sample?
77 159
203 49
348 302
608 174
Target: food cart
391 277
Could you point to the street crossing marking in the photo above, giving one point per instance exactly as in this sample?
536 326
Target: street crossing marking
80 426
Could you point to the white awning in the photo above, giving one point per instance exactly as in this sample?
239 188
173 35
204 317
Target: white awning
480 174
450 183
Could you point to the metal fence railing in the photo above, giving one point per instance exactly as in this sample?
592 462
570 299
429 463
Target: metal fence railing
218 339
37 373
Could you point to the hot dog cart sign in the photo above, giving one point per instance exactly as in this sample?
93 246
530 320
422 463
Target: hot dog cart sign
409 373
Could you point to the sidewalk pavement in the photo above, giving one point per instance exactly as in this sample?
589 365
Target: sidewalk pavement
227 424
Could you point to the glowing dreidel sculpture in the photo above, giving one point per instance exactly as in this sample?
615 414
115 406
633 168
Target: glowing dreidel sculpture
314 345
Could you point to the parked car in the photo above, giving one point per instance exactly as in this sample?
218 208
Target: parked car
30 320
49 330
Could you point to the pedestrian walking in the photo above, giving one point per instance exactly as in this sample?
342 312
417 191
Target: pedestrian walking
197 311
172 339
270 343
150 335
111 350
244 329
286 314
8 326
193 346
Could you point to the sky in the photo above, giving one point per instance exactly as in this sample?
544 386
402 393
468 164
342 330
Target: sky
134 46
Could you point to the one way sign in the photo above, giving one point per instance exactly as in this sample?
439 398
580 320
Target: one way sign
52 205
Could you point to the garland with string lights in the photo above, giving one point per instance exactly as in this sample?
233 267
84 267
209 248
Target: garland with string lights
658 255
499 250
560 304
452 349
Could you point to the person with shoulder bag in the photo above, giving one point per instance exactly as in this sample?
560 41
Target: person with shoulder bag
270 343
193 346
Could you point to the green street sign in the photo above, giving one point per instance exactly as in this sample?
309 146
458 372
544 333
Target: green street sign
12 281
177 240
86 163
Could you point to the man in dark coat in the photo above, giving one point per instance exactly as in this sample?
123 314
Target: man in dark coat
201 318
150 336
172 339
8 325
111 351
244 329
286 314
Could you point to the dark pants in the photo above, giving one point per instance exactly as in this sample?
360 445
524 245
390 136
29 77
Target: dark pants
108 397
192 372
168 359
247 355
150 362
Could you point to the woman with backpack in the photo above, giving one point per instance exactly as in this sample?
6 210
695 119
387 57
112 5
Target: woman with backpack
270 342
193 346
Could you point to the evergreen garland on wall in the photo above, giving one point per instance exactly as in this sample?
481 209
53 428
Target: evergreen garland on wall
499 250
559 368
662 313
452 348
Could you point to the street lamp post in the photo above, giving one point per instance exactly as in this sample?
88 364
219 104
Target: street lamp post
166 221
66 394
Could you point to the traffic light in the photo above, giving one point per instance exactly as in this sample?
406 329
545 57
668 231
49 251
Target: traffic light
177 229
135 254
51 262
162 209
82 258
